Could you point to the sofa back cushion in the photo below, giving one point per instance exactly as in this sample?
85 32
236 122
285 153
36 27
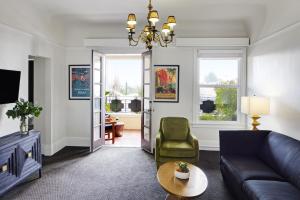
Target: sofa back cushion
174 128
282 153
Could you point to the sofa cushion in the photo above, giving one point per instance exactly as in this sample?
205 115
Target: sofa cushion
248 168
175 128
174 148
270 190
282 153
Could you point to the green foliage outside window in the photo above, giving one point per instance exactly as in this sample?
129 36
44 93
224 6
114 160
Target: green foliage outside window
226 105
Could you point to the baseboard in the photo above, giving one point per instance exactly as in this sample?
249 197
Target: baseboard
58 145
46 149
49 150
209 145
78 141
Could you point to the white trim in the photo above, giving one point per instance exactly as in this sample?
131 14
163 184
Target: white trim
219 125
35 36
241 89
212 42
58 145
276 33
112 42
209 145
78 141
46 149
179 42
50 149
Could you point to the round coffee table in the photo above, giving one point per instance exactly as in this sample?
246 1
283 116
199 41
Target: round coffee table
181 189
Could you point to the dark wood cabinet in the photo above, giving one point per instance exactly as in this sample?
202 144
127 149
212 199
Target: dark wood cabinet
20 157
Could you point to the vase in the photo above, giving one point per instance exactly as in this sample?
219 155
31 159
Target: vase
182 175
23 126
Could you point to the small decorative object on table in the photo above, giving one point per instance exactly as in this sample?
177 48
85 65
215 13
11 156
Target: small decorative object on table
182 171
24 110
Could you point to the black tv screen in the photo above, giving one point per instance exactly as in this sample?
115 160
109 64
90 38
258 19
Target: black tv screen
9 86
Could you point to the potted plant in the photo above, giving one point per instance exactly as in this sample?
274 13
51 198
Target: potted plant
107 105
182 171
24 110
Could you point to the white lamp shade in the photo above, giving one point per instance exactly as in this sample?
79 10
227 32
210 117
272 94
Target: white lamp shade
254 105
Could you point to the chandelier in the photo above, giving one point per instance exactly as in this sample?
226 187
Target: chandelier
150 35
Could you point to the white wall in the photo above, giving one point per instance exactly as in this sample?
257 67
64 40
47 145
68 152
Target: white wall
28 18
273 71
16 46
78 120
208 135
42 97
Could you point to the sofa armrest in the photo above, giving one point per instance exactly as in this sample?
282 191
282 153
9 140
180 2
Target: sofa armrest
241 142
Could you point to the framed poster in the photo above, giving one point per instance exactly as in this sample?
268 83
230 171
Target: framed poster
79 82
166 83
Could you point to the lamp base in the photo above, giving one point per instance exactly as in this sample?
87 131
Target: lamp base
255 123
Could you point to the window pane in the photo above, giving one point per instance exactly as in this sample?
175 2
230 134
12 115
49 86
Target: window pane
96 76
218 71
218 104
96 90
146 134
146 91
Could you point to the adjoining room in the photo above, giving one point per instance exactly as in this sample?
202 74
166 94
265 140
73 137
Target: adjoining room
123 99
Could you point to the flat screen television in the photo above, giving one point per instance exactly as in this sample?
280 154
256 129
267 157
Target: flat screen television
9 86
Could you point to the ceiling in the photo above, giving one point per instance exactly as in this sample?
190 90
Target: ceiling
116 10
244 17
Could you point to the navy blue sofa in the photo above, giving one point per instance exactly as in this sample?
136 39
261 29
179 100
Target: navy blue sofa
260 165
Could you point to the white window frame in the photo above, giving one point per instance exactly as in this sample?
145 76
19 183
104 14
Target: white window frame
220 53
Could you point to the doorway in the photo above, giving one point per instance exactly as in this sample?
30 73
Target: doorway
39 93
123 100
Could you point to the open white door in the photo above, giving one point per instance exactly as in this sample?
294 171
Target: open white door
97 102
147 102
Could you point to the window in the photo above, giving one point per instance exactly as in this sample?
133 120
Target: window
219 86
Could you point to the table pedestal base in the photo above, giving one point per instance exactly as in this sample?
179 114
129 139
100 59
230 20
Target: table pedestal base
171 197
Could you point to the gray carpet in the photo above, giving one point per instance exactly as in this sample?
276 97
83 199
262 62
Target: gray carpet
108 174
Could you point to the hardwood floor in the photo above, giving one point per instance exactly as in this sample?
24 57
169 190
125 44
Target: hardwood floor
130 138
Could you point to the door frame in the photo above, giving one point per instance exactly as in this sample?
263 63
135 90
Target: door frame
95 145
147 145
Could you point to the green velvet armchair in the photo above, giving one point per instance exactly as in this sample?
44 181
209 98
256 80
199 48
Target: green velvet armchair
175 142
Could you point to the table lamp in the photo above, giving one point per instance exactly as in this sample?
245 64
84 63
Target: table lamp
255 106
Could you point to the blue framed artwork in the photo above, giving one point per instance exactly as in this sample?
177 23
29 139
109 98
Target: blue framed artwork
79 82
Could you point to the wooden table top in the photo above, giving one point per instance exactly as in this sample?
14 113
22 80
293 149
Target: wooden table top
192 187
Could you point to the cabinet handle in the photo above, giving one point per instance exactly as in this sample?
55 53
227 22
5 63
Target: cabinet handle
29 154
4 168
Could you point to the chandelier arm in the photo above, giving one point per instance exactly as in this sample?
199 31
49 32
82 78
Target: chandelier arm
168 41
160 40
135 42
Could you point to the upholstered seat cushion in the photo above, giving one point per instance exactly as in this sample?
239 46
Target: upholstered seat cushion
173 148
248 168
270 190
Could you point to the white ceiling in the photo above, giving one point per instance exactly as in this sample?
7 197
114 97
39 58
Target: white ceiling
254 18
116 10
88 7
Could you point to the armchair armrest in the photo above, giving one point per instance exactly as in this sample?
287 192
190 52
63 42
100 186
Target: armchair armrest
194 141
157 145
241 142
